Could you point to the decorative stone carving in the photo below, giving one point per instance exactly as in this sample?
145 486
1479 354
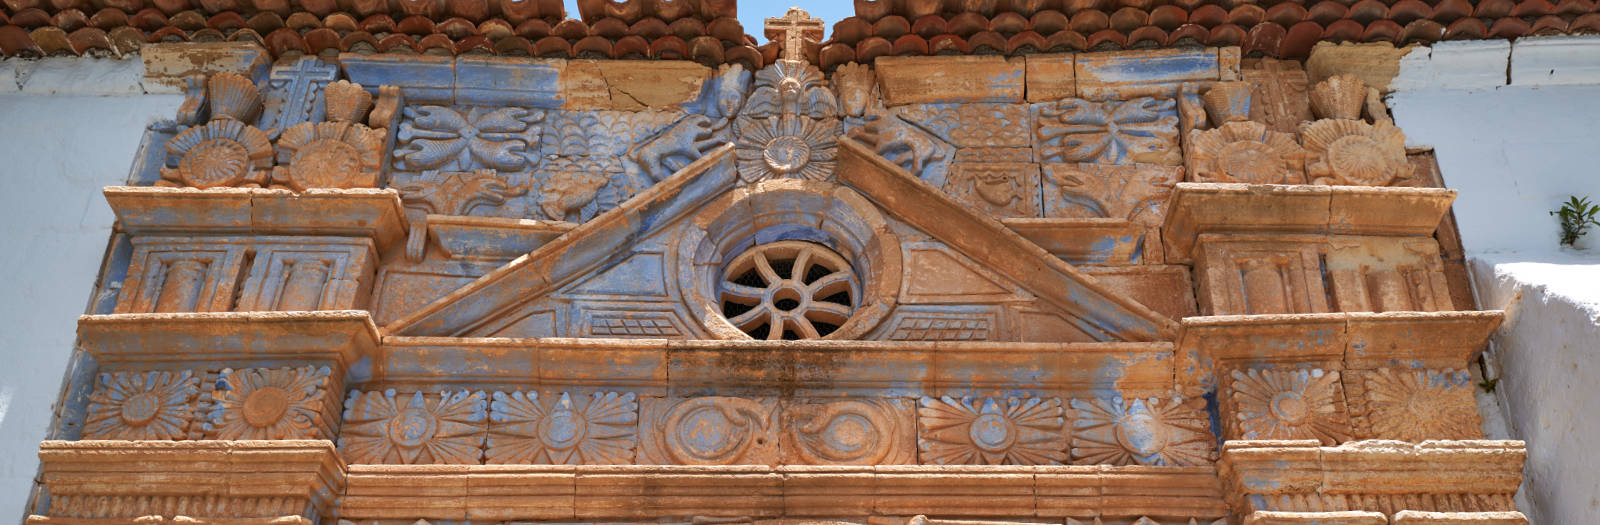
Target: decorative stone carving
1228 102
445 138
1280 93
1288 404
798 30
1013 431
973 125
708 431
1245 152
1339 97
787 146
1135 192
789 87
597 430
295 94
1352 152
450 193
850 432
999 189
914 149
142 406
234 97
570 184
329 155
221 153
857 88
789 290
1141 130
443 428
721 99
1420 404
1137 431
265 403
168 274
347 102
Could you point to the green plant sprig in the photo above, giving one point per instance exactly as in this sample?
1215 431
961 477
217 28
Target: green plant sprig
1577 215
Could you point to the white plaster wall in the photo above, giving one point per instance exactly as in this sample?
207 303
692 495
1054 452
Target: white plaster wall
67 128
1516 129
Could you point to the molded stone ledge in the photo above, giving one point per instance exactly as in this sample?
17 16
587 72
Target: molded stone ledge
1197 208
266 339
1083 241
1356 339
654 366
1381 476
1348 517
162 520
371 213
492 237
201 479
554 492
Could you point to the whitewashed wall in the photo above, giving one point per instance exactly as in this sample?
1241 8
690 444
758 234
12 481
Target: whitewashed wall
1516 129
68 127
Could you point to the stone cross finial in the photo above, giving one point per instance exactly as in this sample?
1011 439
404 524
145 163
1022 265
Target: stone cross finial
795 26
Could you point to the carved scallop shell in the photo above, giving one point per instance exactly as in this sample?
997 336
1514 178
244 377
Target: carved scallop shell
1245 152
1352 152
233 96
1228 101
347 101
221 153
329 155
1339 96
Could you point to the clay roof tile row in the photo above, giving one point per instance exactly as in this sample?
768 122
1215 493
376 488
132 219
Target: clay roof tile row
474 10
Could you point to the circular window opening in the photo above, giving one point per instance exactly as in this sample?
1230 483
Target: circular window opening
789 290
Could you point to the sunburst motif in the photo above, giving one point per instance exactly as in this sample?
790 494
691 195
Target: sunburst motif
1289 404
329 155
444 428
260 403
1022 431
142 406
1355 153
1140 432
222 153
1417 405
599 430
1246 152
787 146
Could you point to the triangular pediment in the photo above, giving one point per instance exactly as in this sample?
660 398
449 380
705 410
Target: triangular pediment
619 265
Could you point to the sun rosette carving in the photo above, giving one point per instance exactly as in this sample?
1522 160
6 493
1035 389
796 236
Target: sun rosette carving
221 153
1355 153
1141 130
1246 152
1418 405
329 155
1289 404
787 147
1136 431
1016 431
598 430
709 430
260 403
850 432
142 406
438 137
443 428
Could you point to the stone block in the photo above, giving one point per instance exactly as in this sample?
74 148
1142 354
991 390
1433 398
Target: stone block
507 81
1375 63
934 79
828 491
167 65
83 76
640 84
521 492
1144 73
1551 61
953 491
1163 288
649 493
1417 517
1454 64
1084 241
1345 517
1051 77
421 78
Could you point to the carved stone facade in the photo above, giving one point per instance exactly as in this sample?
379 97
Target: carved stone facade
1131 287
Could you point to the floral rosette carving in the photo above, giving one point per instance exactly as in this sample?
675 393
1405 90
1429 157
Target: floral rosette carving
1246 152
1418 405
1119 431
1022 431
787 146
443 428
142 406
1352 152
1141 130
599 430
438 137
851 432
709 430
1289 404
260 403
329 155
221 153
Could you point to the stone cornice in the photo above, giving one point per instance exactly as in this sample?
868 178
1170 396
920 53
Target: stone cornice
372 213
263 339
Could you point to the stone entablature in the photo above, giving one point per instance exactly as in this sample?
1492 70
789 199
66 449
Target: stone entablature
1121 288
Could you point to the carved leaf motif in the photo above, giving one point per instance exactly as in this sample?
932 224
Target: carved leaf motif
599 430
142 406
1144 129
1290 404
260 403
438 137
1418 405
1022 431
443 428
1116 431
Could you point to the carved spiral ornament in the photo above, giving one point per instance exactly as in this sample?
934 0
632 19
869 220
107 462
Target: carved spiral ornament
789 290
714 430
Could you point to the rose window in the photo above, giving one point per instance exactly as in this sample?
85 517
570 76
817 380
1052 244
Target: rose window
789 290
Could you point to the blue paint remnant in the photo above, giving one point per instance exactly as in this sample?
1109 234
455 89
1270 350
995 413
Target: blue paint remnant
360 371
1143 68
421 78
81 373
494 80
116 272
1214 415
152 153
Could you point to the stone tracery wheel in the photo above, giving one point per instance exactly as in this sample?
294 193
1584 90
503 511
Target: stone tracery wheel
789 290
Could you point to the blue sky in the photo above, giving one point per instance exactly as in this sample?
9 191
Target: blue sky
752 13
